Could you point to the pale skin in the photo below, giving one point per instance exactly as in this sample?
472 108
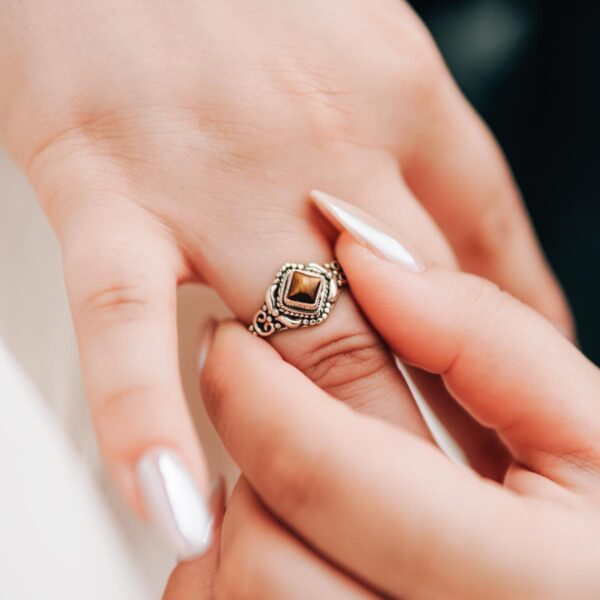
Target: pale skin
335 503
155 134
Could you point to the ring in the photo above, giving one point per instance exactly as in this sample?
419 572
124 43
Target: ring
301 296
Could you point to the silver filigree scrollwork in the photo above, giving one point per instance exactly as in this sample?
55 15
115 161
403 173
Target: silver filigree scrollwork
302 295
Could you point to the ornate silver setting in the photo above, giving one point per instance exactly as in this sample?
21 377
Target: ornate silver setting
302 295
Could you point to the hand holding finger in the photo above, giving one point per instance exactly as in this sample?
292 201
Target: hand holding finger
481 334
322 468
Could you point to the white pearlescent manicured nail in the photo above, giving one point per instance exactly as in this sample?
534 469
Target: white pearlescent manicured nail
359 225
174 503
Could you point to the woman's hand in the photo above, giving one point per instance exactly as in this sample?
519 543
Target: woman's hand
176 142
272 561
386 507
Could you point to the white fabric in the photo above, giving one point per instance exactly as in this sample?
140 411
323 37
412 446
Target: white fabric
59 537
63 534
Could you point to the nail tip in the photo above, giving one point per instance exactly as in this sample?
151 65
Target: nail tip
199 549
318 195
174 503
325 202
345 217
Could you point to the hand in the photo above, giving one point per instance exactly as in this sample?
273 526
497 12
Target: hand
259 558
176 143
386 506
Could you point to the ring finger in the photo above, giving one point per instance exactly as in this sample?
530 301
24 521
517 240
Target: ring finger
344 356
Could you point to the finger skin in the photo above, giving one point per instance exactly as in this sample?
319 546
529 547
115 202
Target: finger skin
380 502
260 558
343 356
484 452
459 174
121 275
506 364
481 448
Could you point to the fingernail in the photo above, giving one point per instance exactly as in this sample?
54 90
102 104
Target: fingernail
205 338
361 227
174 503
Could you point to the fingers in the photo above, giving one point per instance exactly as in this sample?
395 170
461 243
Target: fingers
380 502
460 175
194 579
507 365
344 355
121 275
484 451
480 446
260 558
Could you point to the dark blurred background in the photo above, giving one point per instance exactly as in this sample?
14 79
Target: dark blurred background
532 70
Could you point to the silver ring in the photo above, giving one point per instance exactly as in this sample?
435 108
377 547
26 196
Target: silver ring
301 296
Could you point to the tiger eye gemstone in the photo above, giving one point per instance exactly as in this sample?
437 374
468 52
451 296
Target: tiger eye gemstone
304 288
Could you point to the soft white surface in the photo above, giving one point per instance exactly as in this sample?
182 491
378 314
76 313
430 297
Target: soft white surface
59 536
48 455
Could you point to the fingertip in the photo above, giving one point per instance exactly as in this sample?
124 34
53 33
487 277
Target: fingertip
232 344
194 578
174 502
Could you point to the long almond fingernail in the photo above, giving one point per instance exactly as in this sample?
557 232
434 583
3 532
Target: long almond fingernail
362 228
174 503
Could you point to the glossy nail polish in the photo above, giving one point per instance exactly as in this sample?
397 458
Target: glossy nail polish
174 503
363 229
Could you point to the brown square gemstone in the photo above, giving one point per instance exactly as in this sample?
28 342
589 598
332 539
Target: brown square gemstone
304 288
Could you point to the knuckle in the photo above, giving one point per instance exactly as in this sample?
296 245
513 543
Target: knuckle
319 102
95 134
115 403
412 62
420 74
497 224
336 363
118 301
114 409
307 106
